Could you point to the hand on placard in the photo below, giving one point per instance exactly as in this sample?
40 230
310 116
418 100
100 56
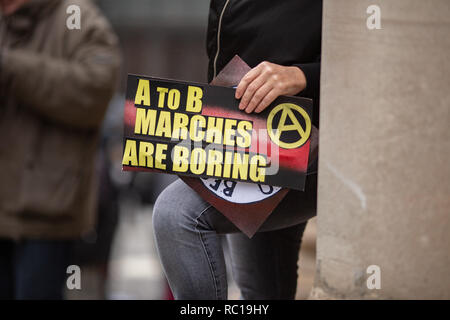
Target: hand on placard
265 82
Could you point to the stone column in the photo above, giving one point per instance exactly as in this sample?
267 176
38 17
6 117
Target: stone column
384 159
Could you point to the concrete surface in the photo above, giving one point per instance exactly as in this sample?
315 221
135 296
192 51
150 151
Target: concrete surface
384 169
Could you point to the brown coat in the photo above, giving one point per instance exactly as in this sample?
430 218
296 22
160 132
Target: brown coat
55 85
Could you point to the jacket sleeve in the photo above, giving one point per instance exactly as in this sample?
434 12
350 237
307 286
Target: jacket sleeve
312 74
312 90
74 90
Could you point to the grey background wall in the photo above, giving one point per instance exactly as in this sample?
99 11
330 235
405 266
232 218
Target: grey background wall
384 168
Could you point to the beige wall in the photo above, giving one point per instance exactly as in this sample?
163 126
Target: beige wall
384 168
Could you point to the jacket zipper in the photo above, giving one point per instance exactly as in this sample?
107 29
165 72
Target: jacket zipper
218 37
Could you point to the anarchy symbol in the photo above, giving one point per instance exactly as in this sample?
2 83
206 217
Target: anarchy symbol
288 110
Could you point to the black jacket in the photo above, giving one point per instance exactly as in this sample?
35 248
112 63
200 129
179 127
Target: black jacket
286 32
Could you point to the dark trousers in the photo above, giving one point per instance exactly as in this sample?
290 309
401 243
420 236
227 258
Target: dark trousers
33 269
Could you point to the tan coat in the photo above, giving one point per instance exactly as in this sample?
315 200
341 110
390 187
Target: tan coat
55 85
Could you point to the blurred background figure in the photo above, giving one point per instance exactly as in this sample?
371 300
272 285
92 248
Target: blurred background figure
56 80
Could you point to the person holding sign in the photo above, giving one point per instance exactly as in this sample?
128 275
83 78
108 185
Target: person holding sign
281 41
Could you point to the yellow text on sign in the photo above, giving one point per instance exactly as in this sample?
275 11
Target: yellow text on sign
169 97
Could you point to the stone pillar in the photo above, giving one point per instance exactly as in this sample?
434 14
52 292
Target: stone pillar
384 158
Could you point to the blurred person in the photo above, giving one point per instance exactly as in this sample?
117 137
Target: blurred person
92 252
281 41
55 85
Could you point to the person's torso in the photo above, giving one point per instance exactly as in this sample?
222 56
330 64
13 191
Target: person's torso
284 32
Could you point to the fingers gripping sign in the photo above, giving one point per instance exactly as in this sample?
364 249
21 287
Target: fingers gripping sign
264 83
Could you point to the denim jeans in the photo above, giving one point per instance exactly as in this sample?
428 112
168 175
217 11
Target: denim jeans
188 233
33 269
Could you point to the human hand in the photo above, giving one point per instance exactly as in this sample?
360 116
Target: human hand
265 82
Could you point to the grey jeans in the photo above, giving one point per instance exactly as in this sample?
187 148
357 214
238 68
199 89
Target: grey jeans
188 233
